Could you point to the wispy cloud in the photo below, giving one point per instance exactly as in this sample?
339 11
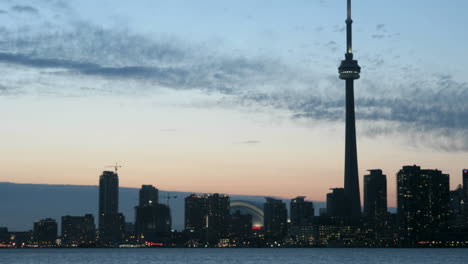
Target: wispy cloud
434 107
251 142
24 9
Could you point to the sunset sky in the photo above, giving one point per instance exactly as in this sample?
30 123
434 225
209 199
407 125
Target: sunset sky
237 97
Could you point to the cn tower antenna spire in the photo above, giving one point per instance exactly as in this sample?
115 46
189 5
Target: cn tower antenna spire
349 31
349 9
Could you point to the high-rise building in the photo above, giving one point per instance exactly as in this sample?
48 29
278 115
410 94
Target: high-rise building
109 218
78 230
208 215
275 219
301 211
241 226
349 71
457 207
336 203
375 195
45 232
152 220
148 195
465 183
218 215
196 209
423 198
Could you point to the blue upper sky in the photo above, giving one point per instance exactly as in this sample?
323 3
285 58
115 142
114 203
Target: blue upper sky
247 87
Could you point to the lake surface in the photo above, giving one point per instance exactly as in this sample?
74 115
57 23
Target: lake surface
229 256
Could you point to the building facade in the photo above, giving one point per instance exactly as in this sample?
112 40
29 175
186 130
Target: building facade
375 196
336 203
465 182
275 220
45 232
78 230
208 216
423 198
148 195
110 221
301 211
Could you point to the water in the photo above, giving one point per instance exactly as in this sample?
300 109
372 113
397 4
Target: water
230 256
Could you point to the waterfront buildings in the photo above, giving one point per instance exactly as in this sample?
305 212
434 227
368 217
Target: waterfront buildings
207 216
336 203
45 232
111 223
78 231
152 220
276 219
375 196
301 211
423 198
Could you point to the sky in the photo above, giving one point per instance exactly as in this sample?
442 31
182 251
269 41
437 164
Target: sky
236 97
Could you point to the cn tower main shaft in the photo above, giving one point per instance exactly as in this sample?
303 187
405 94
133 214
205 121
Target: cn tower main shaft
350 71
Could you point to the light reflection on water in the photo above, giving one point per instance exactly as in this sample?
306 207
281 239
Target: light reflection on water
245 256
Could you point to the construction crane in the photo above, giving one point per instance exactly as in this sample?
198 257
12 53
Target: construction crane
169 196
116 167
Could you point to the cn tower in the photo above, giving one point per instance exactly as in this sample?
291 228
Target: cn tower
349 71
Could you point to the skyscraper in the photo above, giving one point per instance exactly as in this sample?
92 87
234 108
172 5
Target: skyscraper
148 195
152 220
208 215
109 218
457 207
465 183
195 212
275 219
336 203
375 195
423 198
218 215
349 71
301 211
241 226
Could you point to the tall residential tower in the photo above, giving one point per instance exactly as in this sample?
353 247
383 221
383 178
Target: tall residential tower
109 218
349 71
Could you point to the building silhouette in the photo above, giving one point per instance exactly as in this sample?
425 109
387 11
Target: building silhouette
275 220
23 238
336 203
218 221
208 216
301 215
349 71
110 221
196 210
45 232
301 211
465 183
458 208
375 195
423 198
241 226
4 235
78 230
148 195
152 220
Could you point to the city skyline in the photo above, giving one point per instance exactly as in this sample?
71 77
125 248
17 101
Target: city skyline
266 107
429 214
